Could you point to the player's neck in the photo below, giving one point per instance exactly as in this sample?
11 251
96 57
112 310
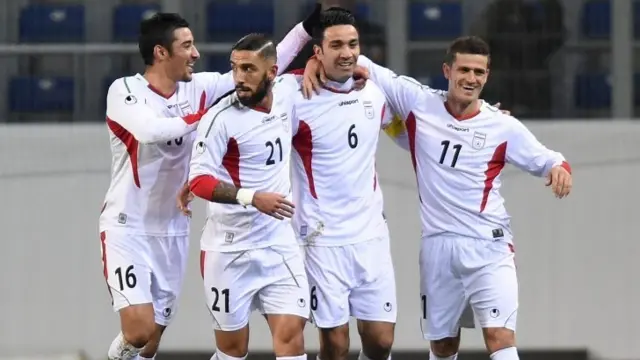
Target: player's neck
265 104
159 82
339 85
462 110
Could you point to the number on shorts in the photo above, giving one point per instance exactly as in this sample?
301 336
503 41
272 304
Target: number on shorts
423 300
314 299
129 278
216 299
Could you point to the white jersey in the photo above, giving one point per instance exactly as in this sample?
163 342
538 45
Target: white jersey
251 149
151 143
336 192
458 162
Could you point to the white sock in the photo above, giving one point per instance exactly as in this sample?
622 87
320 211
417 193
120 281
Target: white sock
433 356
120 349
219 355
510 353
299 357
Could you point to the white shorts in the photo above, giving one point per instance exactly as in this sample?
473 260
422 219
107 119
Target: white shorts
351 280
461 277
145 269
271 280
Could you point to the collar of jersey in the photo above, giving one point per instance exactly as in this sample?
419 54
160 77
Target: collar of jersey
335 86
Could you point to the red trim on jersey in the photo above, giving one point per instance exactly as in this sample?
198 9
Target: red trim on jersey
337 91
203 256
461 117
159 92
296 72
203 101
105 270
303 143
410 123
261 109
494 167
231 161
566 166
384 110
202 186
130 143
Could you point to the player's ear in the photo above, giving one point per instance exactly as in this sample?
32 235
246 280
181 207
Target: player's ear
317 50
446 70
273 72
160 52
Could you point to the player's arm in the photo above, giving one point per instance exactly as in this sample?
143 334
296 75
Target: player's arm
396 130
527 153
127 111
208 151
402 92
218 85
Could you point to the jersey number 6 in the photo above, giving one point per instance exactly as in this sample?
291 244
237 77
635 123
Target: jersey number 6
352 137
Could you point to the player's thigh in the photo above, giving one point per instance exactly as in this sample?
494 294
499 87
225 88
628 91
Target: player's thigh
493 288
286 288
329 290
230 285
126 269
373 299
442 297
169 263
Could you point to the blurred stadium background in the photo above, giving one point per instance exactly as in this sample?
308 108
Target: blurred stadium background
552 60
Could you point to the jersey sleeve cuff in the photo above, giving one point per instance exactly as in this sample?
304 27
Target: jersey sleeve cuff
202 186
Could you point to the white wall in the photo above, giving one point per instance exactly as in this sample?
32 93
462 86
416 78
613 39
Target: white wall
576 258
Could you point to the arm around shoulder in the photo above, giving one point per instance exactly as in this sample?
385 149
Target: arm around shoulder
128 112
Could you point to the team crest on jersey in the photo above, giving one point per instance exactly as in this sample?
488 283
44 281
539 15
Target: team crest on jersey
478 140
185 107
130 100
285 121
368 109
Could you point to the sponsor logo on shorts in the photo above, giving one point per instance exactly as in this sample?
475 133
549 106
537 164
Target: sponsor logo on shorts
228 236
387 307
302 302
494 313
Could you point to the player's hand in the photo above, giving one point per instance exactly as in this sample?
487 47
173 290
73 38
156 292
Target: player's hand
497 106
361 75
185 196
314 78
560 181
273 204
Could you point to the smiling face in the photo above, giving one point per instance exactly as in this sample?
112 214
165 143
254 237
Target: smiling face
182 56
338 52
467 75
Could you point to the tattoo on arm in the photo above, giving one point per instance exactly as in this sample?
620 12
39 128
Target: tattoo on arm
224 193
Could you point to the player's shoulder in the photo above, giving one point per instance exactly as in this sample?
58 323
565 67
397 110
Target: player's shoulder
287 83
498 117
224 107
124 85
200 78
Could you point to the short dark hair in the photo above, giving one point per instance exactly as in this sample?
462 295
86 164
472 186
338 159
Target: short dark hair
158 30
257 42
472 45
332 17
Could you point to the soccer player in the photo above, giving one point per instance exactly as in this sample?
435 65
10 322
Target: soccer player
339 207
459 145
250 259
152 120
